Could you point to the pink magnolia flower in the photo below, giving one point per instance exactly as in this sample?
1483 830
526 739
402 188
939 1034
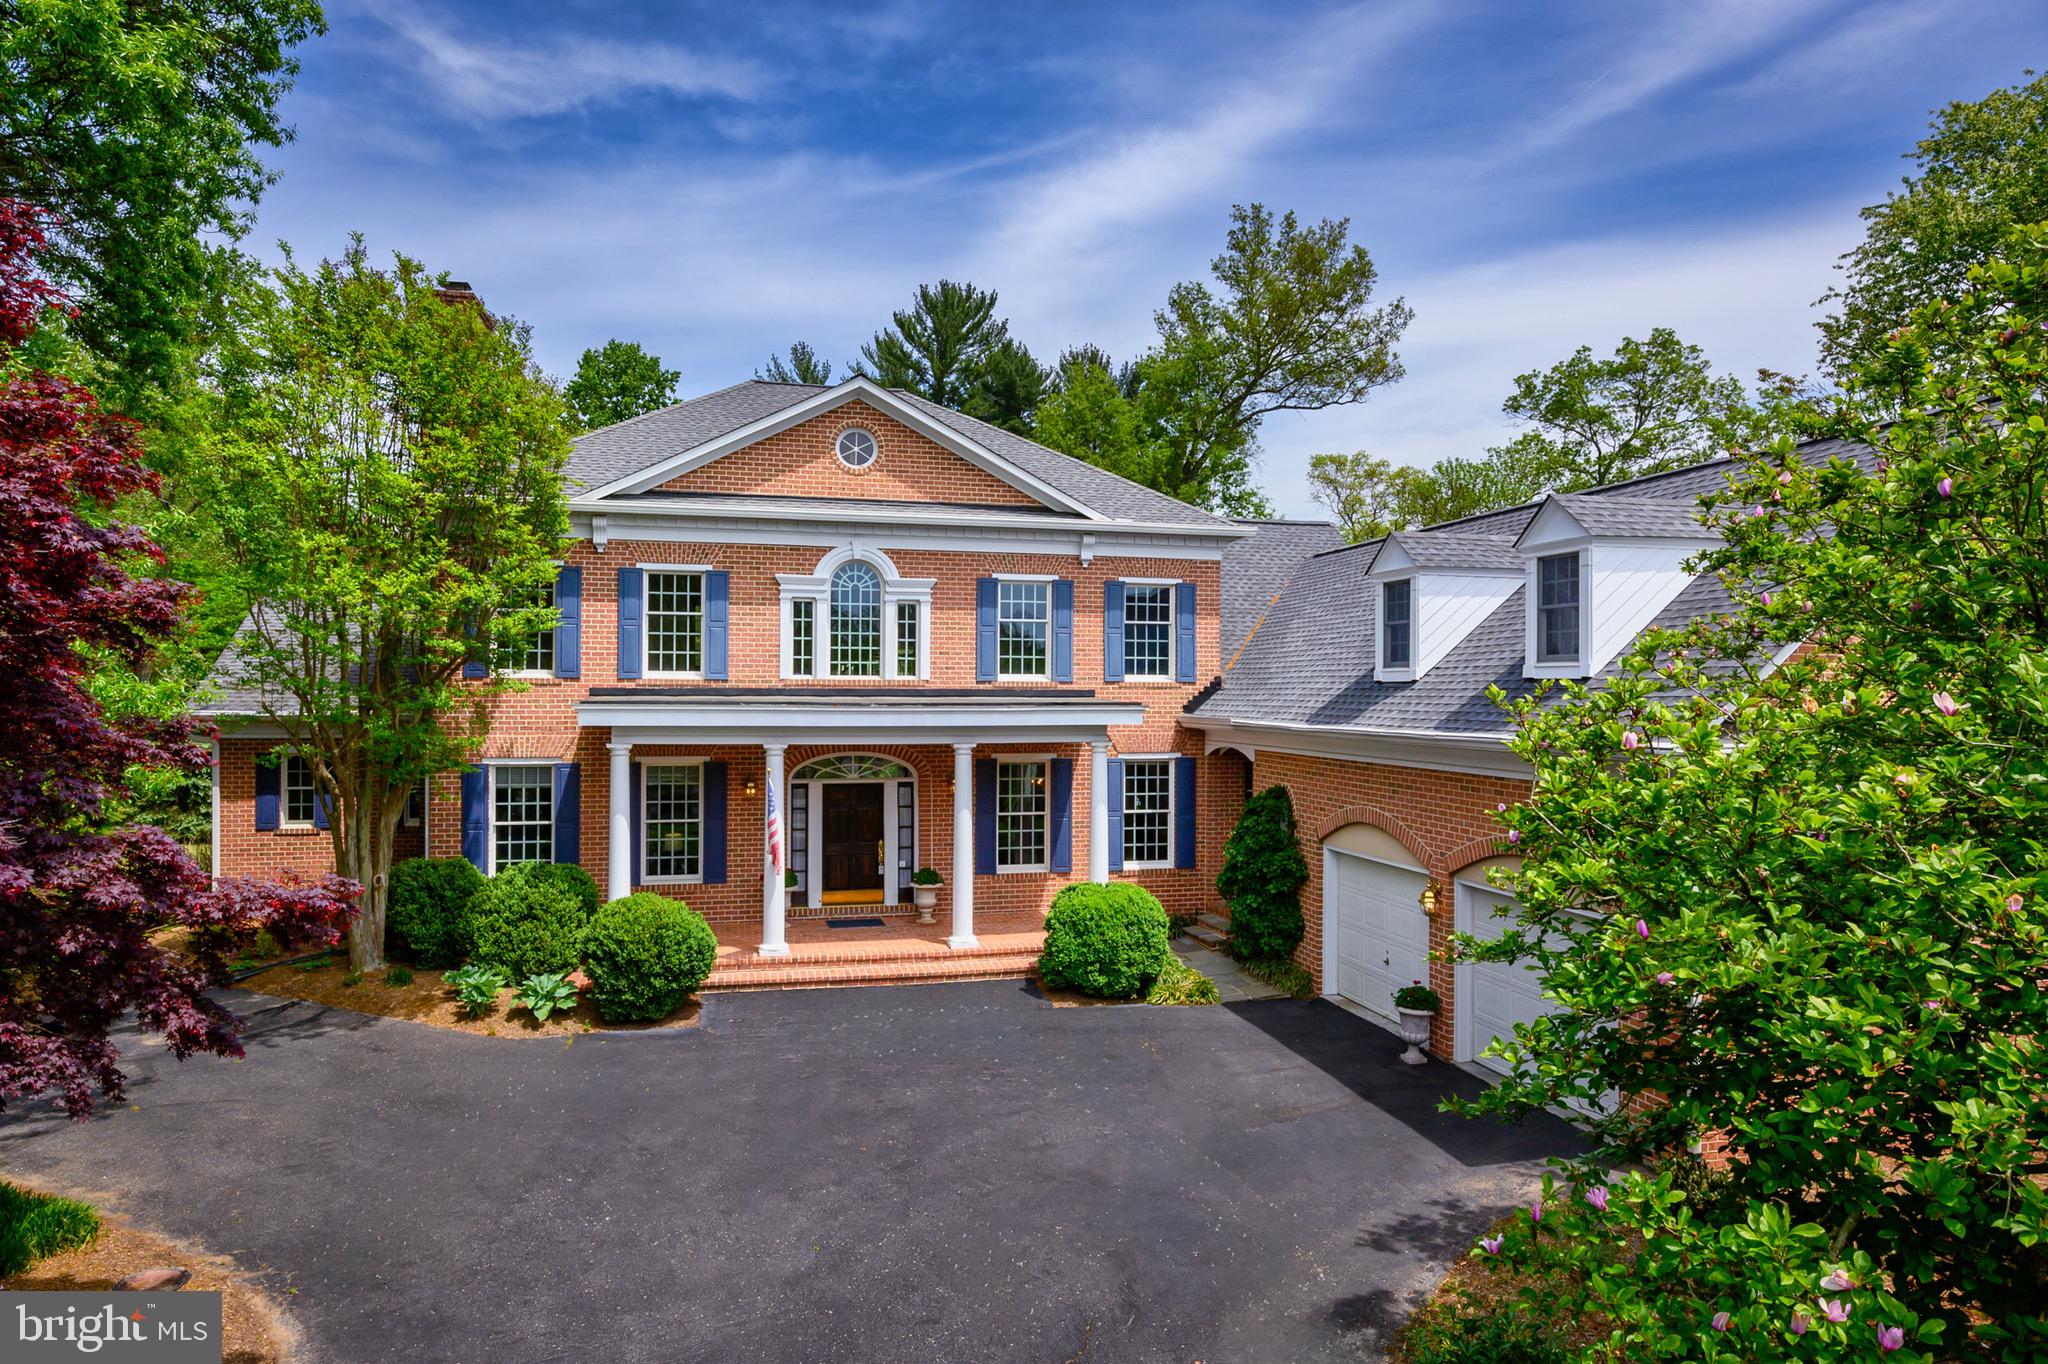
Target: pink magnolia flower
1514 835
1758 510
1720 1321
1536 1212
1946 487
1765 599
1597 1196
1642 930
1785 478
1630 739
1490 1244
1502 807
1945 703
1838 1281
2013 903
1799 1323
1665 977
1834 1309
1890 1338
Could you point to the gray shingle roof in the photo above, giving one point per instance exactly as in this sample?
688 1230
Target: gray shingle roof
1635 516
1450 549
1256 568
614 452
231 691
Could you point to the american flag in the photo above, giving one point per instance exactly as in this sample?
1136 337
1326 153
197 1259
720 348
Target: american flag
774 830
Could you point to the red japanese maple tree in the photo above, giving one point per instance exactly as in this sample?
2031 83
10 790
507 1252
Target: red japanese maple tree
79 897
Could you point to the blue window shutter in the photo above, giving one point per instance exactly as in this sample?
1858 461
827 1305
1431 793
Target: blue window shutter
1113 631
632 603
269 783
476 817
984 815
568 815
1184 812
712 862
1063 631
633 837
1184 633
1060 807
474 670
569 634
717 622
322 807
1116 811
984 629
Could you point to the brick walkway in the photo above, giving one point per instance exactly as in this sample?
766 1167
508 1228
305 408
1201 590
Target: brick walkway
900 952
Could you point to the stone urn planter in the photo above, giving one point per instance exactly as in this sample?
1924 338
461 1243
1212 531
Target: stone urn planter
1416 1005
924 893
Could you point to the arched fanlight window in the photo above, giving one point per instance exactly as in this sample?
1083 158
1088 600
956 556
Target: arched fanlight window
856 621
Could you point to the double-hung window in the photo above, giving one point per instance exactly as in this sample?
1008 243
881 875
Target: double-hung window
672 823
857 621
1148 630
906 639
1022 808
1023 629
522 814
1148 812
295 785
1557 609
675 622
1397 623
540 650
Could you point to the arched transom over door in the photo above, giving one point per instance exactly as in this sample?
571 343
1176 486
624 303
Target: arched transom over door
1375 933
853 830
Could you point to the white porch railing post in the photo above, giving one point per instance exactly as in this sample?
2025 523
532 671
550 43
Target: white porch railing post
618 863
773 895
963 848
1098 812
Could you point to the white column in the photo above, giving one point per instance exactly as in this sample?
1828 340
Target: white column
619 851
1098 812
773 895
963 848
213 810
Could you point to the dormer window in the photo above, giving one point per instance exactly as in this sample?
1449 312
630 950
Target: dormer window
1397 623
1557 608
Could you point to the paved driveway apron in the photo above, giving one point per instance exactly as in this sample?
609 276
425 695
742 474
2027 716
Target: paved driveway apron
956 1172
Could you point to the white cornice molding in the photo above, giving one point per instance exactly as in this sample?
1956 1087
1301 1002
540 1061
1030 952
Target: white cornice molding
961 534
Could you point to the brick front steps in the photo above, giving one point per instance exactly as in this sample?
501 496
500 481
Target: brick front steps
900 952
806 973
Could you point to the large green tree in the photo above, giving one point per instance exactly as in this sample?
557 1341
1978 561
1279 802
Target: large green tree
803 367
936 346
137 123
1368 495
617 381
1981 170
390 483
1801 907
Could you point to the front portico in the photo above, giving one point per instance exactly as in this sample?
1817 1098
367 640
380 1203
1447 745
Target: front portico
837 760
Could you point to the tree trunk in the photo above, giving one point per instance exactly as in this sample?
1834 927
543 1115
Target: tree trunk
363 853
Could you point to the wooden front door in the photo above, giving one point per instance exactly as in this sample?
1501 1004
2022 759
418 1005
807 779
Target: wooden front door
853 836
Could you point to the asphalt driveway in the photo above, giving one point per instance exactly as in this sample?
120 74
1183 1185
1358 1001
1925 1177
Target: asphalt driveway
934 1173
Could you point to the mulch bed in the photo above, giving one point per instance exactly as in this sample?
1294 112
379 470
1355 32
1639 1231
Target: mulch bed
429 1000
1471 1289
253 1330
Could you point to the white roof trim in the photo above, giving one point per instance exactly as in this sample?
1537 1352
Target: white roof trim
849 512
839 395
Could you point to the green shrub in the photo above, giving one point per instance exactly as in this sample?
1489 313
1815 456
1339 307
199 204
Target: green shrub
1498 1337
564 876
351 980
1263 873
34 1226
426 913
1108 941
645 955
1419 997
1180 983
526 920
476 988
547 994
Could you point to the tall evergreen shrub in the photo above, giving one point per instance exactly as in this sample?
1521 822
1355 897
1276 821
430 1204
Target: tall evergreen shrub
1263 873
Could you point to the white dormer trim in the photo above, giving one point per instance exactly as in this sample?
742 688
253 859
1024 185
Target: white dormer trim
1444 606
1573 667
1384 671
854 389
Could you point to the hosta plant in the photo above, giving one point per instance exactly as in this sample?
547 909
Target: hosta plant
546 993
476 988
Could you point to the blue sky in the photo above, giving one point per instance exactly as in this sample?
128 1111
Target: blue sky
718 181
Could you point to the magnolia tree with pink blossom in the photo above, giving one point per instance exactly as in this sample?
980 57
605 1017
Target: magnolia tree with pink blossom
1797 909
81 898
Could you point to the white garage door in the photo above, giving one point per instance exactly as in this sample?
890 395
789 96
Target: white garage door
1379 937
1500 994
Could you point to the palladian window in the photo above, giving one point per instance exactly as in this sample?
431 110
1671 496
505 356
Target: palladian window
856 621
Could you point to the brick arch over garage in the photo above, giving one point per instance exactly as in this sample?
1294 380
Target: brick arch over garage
1476 850
1380 819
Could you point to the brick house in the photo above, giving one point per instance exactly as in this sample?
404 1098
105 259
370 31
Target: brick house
1362 688
921 639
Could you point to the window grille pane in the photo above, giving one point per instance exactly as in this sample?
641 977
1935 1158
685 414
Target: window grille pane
906 639
800 832
1397 598
803 643
1023 629
1148 812
1148 631
540 650
297 782
1557 609
856 621
672 828
1020 814
522 815
675 622
906 832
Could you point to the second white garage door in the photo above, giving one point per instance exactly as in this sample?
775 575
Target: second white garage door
1378 934
1495 995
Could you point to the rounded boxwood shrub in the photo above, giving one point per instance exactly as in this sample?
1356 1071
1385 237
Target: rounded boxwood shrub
1108 941
645 954
567 876
525 921
1263 873
426 911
